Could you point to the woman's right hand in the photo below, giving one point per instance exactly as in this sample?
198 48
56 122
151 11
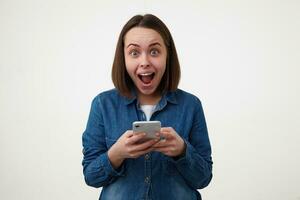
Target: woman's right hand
127 146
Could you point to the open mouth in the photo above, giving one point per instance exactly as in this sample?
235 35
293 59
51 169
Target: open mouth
146 78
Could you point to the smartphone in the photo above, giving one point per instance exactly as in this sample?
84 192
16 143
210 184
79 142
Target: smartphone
148 127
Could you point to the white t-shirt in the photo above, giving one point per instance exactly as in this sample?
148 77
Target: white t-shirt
148 110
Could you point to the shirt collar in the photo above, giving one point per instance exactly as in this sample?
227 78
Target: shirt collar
171 97
129 100
166 97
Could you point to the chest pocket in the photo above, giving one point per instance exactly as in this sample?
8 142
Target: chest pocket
114 131
112 135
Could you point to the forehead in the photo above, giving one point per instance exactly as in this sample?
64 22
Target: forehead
142 36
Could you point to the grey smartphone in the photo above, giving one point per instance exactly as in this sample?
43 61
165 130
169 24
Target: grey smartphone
148 127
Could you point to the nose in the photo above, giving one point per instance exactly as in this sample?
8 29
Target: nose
144 61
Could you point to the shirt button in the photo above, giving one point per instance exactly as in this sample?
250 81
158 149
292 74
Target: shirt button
147 179
147 156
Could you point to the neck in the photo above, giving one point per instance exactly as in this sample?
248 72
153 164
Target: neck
152 99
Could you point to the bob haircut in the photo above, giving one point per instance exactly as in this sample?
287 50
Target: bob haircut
120 76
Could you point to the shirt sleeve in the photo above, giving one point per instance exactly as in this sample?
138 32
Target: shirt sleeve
196 164
97 168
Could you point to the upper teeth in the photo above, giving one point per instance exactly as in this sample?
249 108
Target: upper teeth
145 74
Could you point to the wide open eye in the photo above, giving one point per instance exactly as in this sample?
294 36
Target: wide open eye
134 53
154 52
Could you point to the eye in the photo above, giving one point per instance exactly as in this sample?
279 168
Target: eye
134 53
154 52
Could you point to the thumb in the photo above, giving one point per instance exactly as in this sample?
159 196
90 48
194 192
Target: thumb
128 133
166 134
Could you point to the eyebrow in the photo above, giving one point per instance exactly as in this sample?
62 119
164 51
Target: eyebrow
136 45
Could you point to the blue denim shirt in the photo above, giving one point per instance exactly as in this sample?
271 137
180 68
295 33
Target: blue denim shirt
153 176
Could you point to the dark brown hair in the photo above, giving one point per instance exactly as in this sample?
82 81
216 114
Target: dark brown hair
120 76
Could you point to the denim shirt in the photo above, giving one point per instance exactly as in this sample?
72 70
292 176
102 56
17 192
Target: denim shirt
153 176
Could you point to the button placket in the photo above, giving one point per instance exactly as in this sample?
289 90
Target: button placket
147 156
147 179
147 161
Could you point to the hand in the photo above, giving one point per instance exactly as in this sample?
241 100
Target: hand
173 145
128 146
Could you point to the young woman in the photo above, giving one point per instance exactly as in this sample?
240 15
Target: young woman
146 74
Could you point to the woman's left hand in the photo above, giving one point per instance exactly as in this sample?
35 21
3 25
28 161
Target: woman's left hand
172 145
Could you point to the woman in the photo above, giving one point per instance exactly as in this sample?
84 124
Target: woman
146 74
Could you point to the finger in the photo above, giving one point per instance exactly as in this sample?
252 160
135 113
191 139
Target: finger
161 149
160 136
161 143
145 145
135 137
166 129
164 150
166 135
139 153
128 133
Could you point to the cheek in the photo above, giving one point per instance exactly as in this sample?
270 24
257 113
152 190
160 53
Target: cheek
130 66
161 67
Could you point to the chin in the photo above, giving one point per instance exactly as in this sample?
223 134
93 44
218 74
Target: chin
147 91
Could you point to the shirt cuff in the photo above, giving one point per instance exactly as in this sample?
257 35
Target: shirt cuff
107 166
186 156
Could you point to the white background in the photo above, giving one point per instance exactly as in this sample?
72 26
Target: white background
241 58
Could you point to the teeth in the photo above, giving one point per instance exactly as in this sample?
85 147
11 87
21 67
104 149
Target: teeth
146 74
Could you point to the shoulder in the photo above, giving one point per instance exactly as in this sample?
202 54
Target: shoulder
189 102
109 96
184 96
112 93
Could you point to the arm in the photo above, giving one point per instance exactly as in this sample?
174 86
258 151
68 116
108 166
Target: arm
196 164
97 168
192 157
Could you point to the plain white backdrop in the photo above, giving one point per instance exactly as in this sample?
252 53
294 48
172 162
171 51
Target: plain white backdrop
241 58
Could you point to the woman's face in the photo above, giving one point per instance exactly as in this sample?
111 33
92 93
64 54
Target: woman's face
145 58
